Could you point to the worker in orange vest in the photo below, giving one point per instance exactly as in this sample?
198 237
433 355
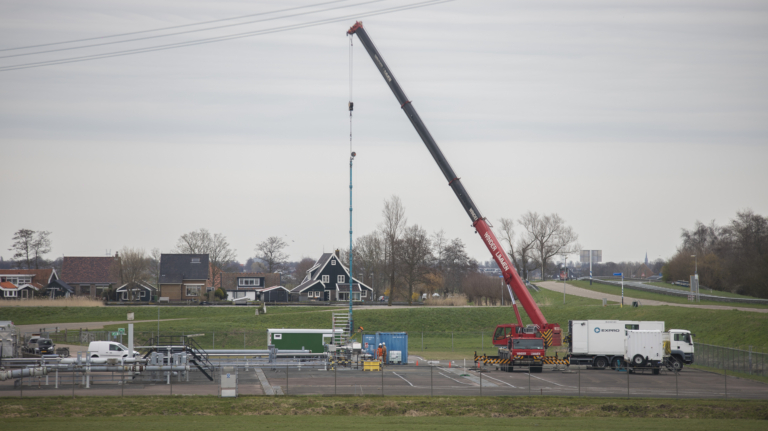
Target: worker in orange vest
379 353
384 352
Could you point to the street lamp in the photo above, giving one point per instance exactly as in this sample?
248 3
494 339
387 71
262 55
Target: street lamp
696 264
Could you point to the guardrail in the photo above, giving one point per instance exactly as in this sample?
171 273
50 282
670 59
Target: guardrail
672 292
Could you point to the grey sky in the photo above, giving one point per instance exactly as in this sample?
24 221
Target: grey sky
629 119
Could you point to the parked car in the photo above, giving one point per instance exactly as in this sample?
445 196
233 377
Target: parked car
109 349
45 346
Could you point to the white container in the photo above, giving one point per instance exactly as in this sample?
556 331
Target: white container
395 357
605 337
644 348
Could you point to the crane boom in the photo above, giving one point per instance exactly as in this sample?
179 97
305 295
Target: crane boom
478 221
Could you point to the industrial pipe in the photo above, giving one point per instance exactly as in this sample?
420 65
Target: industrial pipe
24 372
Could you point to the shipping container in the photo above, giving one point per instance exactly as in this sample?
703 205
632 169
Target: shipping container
395 342
300 339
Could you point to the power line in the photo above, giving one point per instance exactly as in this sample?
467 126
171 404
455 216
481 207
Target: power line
221 38
191 31
170 28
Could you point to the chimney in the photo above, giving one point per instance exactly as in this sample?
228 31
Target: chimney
338 254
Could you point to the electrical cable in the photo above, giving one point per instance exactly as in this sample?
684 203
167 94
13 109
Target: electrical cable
221 38
169 28
189 31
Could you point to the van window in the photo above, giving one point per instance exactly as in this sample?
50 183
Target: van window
115 348
631 326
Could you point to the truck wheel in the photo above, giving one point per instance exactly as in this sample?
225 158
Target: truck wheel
600 363
675 363
94 356
638 361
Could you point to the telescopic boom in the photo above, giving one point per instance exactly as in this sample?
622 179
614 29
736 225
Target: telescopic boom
478 221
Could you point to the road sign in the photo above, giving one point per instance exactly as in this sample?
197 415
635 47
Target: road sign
618 273
121 331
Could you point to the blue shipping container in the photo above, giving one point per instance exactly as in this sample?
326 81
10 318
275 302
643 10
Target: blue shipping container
395 341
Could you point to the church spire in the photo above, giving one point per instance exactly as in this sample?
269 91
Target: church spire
646 258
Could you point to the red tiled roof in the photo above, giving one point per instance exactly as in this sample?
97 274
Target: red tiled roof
7 285
89 270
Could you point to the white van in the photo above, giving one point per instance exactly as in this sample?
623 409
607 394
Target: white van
109 349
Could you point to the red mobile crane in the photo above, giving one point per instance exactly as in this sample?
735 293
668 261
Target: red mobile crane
518 344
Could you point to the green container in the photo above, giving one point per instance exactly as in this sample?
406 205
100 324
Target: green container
300 339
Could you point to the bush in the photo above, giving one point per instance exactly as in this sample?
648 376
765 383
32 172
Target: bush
220 294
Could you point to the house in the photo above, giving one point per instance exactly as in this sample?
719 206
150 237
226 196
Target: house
25 283
91 276
275 294
60 289
246 285
185 277
328 280
135 292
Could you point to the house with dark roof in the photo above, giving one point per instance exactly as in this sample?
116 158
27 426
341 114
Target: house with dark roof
248 285
185 277
91 276
329 280
60 289
25 283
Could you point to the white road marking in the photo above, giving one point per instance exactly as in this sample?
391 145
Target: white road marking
501 381
448 377
406 381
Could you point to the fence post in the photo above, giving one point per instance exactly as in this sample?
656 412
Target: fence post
422 341
335 367
451 341
382 380
529 380
677 391
579 381
286 379
122 383
481 382
243 339
725 379
21 385
482 343
214 340
431 379
627 380
73 384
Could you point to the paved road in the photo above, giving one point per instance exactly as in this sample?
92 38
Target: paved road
586 293
408 380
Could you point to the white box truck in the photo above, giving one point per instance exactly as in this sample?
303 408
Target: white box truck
600 343
644 350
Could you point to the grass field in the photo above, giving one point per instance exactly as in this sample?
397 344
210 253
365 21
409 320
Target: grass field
471 327
639 294
591 409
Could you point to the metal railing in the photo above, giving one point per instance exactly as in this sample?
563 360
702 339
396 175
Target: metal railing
732 360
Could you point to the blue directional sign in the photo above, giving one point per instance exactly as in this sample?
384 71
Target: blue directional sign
617 273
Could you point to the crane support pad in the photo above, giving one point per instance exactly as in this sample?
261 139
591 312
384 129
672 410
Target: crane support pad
551 360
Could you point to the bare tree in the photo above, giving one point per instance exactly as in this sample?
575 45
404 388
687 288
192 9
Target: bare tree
41 245
154 266
507 232
392 229
22 247
369 260
551 237
526 243
302 268
458 265
415 253
134 267
215 246
271 255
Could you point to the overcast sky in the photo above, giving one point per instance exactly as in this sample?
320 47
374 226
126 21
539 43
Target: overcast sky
630 119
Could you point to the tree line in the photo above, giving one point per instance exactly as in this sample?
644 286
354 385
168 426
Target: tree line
731 257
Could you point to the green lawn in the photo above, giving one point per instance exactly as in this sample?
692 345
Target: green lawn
639 294
471 327
372 412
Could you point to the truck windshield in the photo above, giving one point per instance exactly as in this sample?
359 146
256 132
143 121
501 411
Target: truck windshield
523 343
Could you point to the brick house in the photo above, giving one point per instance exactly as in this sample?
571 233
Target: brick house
91 276
185 277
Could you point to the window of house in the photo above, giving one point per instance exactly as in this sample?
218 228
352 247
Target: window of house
250 282
333 261
193 289
326 279
195 260
143 294
355 296
125 296
236 295
210 289
364 293
85 289
10 293
340 279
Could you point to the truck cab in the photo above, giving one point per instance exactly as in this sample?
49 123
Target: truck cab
678 348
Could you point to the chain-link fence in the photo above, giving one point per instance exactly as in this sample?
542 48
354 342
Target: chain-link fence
730 359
